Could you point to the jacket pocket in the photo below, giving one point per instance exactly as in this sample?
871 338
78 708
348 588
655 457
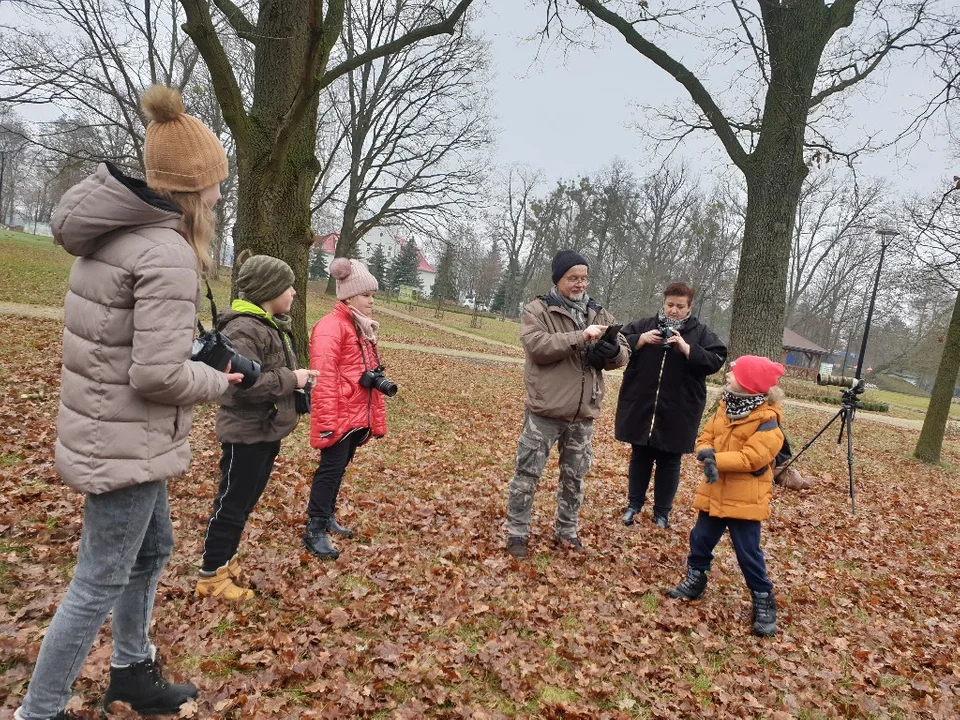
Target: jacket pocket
181 423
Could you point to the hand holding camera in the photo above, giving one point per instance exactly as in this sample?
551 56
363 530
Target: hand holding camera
212 348
666 333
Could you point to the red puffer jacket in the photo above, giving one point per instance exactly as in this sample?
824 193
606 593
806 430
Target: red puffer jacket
339 404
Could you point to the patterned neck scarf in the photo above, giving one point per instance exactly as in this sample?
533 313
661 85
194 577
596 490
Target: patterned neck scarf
577 308
283 322
664 321
740 405
368 326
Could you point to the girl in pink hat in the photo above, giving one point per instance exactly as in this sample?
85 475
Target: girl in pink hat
736 450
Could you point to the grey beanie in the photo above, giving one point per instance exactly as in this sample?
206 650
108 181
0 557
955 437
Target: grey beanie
262 277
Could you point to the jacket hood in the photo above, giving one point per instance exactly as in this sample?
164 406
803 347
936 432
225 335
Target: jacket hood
244 307
105 202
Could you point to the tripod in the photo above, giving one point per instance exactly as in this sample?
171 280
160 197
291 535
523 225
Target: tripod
848 410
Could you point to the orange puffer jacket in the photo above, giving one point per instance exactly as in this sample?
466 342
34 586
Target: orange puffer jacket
745 449
339 403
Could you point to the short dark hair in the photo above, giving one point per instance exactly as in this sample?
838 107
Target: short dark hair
678 289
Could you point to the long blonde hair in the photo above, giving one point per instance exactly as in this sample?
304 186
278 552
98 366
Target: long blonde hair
198 225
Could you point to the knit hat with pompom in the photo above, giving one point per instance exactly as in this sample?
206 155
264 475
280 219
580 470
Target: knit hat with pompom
352 278
180 154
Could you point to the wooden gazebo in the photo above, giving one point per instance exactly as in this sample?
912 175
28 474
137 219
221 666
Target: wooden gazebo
806 352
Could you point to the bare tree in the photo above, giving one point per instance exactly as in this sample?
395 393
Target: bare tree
523 248
412 125
791 64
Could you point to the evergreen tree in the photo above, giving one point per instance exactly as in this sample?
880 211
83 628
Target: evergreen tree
445 287
378 266
317 269
404 268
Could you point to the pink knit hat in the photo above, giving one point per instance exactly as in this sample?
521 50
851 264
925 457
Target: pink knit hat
755 374
353 278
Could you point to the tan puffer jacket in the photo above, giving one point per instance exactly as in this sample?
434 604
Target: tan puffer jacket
127 387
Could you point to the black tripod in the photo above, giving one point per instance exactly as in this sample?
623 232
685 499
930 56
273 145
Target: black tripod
848 410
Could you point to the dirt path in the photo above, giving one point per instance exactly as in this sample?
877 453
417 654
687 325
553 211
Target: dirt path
53 313
382 308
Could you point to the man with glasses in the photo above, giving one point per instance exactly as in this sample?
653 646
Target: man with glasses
562 335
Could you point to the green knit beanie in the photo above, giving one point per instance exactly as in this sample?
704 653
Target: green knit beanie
262 277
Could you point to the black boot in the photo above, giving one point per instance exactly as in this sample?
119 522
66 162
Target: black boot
335 527
143 688
629 515
692 586
317 541
764 613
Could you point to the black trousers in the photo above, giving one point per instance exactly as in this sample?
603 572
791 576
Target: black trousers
244 471
329 475
665 482
745 536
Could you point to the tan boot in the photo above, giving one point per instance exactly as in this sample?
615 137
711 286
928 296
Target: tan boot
233 567
221 585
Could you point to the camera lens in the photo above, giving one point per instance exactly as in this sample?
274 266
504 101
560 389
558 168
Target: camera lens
249 368
385 386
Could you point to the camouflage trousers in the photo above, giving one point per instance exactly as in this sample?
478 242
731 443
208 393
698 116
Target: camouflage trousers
576 453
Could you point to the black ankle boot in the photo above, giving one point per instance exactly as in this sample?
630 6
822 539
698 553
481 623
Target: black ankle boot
335 527
692 586
629 515
764 614
143 688
317 541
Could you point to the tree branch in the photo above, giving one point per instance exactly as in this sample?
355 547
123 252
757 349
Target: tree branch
238 21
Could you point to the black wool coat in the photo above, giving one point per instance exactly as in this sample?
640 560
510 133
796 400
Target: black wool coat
663 393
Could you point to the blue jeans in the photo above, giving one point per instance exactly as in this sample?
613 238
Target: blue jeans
126 541
745 536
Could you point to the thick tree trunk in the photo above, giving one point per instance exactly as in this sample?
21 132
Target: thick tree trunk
935 423
347 242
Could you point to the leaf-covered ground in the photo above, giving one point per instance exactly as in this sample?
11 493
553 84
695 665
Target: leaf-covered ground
424 615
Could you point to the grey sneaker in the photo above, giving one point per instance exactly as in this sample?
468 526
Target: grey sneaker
517 546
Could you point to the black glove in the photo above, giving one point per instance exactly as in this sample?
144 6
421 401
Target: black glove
601 352
705 453
710 470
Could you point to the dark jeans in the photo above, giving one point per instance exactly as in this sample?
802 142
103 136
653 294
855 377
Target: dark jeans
745 536
329 475
665 482
244 472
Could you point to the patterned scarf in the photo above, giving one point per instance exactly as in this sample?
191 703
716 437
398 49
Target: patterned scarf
740 405
664 321
577 308
367 326
283 322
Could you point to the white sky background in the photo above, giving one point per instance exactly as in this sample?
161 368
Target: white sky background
570 111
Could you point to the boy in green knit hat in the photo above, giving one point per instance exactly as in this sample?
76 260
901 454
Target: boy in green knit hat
252 422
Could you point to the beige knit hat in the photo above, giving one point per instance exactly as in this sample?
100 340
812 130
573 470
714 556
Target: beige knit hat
262 277
180 153
353 278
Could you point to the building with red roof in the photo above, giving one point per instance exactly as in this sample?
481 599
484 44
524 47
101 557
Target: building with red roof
367 246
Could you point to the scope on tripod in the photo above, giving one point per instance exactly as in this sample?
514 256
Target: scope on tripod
840 381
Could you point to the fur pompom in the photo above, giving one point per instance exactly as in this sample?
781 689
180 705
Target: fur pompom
161 104
340 268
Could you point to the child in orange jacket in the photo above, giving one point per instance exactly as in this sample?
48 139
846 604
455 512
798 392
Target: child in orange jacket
736 449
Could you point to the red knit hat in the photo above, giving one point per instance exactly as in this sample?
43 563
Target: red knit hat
755 374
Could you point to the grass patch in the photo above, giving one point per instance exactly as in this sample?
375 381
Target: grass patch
10 459
553 695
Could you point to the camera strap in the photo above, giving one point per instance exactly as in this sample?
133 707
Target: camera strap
213 310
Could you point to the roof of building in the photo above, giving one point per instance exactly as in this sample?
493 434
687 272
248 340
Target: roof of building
792 341
328 244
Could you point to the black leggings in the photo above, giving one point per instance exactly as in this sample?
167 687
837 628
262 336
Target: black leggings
329 474
665 482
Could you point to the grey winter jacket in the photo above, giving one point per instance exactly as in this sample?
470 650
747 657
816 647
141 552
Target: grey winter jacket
127 386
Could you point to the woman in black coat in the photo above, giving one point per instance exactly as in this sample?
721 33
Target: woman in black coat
662 397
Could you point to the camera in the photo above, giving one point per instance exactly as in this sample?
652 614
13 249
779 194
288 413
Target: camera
376 380
667 332
856 384
213 349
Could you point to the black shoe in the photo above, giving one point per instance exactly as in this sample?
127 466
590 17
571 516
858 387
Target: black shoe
692 586
661 521
335 527
572 544
764 614
517 546
630 514
143 688
317 541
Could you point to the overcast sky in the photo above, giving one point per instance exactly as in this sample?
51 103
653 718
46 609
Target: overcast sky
570 111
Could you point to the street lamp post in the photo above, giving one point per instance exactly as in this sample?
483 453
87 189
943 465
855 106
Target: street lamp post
886 237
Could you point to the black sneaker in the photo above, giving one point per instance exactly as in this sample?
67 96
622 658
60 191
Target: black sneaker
573 544
661 521
629 515
517 546
692 586
143 688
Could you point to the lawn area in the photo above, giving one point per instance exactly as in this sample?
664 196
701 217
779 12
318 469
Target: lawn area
425 616
33 270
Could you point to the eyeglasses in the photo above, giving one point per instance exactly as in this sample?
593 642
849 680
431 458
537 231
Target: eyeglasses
576 280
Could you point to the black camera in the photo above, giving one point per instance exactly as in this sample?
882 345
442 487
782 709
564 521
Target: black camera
856 384
666 332
301 399
212 348
376 380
